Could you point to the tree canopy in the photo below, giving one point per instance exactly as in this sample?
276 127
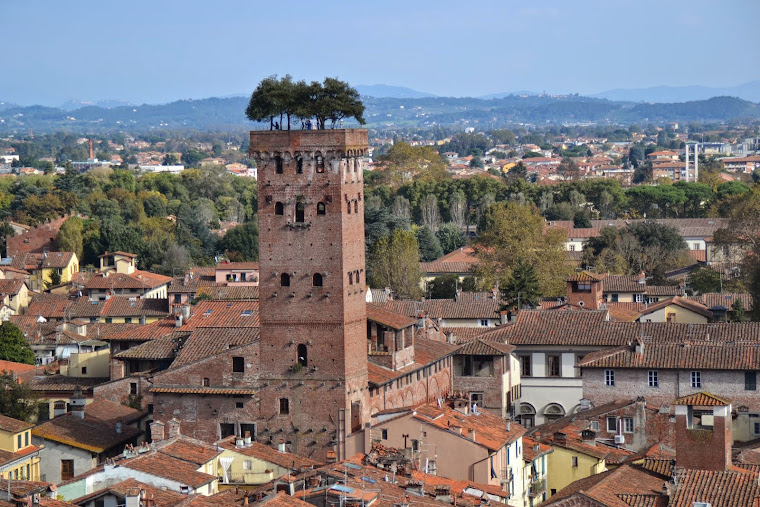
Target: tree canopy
13 345
332 100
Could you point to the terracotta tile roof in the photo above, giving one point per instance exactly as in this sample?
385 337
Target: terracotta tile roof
219 292
281 499
147 332
64 383
485 429
716 488
609 488
206 342
168 467
726 300
11 286
12 425
123 254
270 455
112 412
664 290
10 366
119 306
204 390
89 433
586 276
445 308
162 496
446 267
623 283
700 355
662 467
35 261
61 307
465 334
163 347
533 449
684 303
389 318
425 352
702 399
192 452
137 280
479 347
536 327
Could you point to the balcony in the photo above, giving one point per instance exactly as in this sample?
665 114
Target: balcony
507 475
537 488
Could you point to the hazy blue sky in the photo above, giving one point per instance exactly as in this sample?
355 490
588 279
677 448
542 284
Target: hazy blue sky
160 50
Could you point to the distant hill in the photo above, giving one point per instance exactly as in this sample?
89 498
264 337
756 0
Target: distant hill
74 104
215 114
388 91
748 91
501 95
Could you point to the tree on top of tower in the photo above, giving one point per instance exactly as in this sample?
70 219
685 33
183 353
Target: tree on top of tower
332 100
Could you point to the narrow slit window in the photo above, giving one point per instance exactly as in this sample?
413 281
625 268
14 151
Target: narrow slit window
300 212
278 164
303 358
356 206
299 165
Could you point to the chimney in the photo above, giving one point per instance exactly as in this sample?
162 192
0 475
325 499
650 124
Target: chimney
638 346
77 403
281 447
504 317
173 428
157 431
178 320
132 496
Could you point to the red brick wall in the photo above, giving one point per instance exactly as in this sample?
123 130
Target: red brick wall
703 449
119 390
408 391
329 320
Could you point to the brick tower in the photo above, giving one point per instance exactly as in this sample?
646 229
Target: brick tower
313 373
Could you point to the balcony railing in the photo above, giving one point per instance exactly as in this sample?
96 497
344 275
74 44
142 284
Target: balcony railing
247 477
537 487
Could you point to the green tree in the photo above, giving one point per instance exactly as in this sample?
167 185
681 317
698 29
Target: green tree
514 231
5 231
170 159
443 286
405 163
18 400
394 262
70 237
523 286
739 313
450 236
704 280
13 345
55 279
242 242
430 247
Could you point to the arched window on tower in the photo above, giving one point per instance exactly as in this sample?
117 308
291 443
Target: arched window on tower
299 164
319 162
303 358
316 280
350 277
300 208
321 210
285 280
356 276
279 208
356 206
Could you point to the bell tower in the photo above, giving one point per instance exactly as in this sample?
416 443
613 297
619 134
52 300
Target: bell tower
313 334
